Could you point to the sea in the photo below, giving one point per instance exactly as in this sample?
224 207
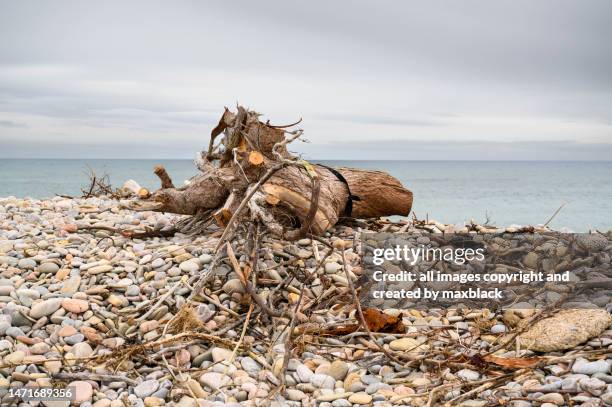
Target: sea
501 193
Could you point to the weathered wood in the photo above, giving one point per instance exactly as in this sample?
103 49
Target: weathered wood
296 199
162 174
224 214
206 191
132 187
293 188
379 193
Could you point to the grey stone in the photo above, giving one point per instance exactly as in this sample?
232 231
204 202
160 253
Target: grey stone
132 290
375 387
605 377
333 267
304 373
11 261
357 386
18 318
44 308
583 366
205 312
27 264
14 332
369 379
215 380
205 258
594 386
74 339
157 263
569 383
189 266
322 381
48 268
233 285
146 388
468 375
249 365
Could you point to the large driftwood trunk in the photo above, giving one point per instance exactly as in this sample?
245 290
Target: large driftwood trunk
380 194
252 171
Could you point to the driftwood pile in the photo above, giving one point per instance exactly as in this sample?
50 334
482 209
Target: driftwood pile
250 175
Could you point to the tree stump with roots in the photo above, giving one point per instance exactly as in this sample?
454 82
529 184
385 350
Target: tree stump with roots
250 175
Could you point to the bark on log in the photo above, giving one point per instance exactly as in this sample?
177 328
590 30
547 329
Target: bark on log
166 181
379 193
293 188
286 203
203 192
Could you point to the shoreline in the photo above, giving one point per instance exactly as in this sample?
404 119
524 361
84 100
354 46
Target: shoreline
396 222
120 311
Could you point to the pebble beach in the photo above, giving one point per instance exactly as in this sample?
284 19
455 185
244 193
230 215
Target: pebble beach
114 318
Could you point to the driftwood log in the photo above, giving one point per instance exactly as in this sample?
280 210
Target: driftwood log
250 174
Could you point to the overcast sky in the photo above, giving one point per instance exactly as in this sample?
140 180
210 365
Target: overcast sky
480 79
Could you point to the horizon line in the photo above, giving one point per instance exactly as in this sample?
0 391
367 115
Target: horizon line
310 159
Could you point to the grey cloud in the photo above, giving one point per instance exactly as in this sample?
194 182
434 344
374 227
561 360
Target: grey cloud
384 120
460 150
12 125
534 43
549 42
352 68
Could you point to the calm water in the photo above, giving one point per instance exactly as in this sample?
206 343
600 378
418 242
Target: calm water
449 191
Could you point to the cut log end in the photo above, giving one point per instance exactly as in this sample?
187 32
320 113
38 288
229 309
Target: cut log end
222 217
256 158
272 199
131 187
144 193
